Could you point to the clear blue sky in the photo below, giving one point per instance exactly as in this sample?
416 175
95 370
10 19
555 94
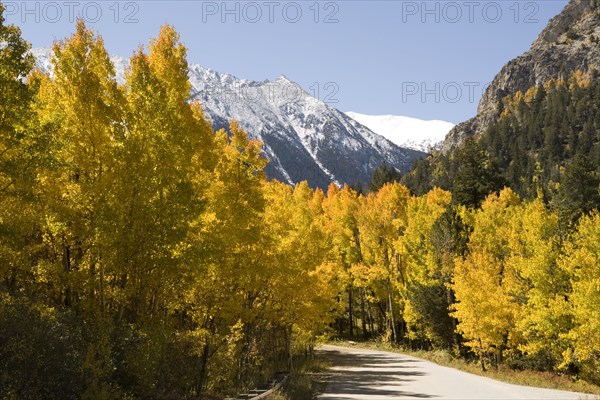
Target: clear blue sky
416 58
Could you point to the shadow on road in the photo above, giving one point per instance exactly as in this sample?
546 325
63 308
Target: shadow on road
356 376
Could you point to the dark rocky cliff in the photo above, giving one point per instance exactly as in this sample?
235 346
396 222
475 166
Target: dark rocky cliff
570 42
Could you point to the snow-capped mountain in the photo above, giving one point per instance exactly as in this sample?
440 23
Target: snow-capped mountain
303 137
407 132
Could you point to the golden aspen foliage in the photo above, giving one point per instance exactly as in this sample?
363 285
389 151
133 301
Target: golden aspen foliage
82 107
340 210
297 286
541 287
582 263
483 282
21 154
423 278
382 217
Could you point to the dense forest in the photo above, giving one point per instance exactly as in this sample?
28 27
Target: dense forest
145 256
544 140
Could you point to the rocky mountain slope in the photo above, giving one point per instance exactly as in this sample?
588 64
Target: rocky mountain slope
304 138
570 42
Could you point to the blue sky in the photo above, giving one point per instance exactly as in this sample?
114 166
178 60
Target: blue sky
424 59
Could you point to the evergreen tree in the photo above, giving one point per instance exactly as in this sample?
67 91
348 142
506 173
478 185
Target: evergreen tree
532 137
420 179
579 189
476 176
382 175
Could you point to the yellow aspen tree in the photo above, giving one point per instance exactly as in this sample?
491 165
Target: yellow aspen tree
424 280
20 156
341 207
164 166
382 218
482 283
231 232
84 107
543 318
581 260
299 294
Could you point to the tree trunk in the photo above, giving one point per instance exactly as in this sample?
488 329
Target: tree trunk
102 301
386 260
67 265
289 349
393 323
363 316
371 322
350 312
203 367
481 356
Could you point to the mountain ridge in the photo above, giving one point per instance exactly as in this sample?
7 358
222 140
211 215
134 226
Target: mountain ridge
303 137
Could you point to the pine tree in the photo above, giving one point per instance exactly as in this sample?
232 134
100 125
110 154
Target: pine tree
382 175
578 193
476 176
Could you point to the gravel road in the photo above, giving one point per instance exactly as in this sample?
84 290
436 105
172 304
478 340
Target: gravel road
377 375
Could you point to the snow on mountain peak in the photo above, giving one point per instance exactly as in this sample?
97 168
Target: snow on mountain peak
284 79
407 132
303 137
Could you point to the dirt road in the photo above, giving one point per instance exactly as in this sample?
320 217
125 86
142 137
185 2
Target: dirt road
376 375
